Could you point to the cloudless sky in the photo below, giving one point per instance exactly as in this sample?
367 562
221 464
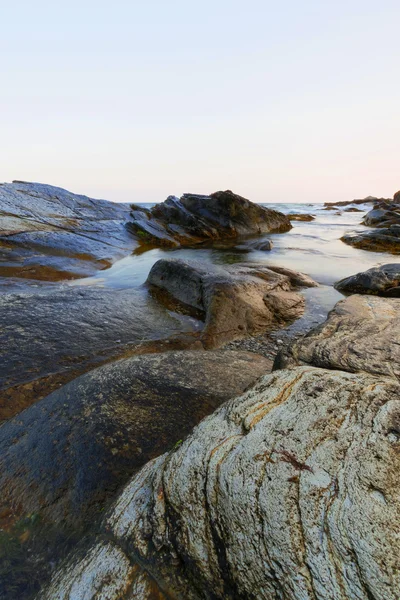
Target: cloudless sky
132 101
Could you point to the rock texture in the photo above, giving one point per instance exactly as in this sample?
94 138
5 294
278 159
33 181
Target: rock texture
48 233
380 281
66 454
235 301
65 457
49 336
289 492
194 218
361 334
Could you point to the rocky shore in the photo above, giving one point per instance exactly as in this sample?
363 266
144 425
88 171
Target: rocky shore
181 439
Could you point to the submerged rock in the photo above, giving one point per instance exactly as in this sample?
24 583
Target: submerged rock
48 233
278 494
361 334
235 301
194 218
380 281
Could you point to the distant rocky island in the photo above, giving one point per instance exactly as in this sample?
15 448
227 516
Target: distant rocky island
150 449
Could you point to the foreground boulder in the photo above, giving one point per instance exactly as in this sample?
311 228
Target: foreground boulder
48 233
62 459
380 281
361 334
234 301
194 218
289 492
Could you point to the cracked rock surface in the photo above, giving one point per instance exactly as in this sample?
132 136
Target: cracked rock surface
288 492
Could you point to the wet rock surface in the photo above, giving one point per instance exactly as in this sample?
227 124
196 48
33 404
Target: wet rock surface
277 494
380 281
361 334
195 218
235 301
62 459
47 335
48 233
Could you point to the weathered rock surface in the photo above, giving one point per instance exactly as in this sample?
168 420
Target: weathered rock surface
235 301
63 458
300 217
366 200
49 336
194 218
48 233
380 281
289 492
361 334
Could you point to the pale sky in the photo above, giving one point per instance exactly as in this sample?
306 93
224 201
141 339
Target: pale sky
132 101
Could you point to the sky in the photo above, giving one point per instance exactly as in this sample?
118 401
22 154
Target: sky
131 101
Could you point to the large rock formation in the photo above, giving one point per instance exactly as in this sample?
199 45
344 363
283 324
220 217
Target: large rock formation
289 492
361 334
62 459
48 233
380 281
49 336
194 218
235 301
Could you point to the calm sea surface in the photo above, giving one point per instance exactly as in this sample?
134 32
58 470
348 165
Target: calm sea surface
311 247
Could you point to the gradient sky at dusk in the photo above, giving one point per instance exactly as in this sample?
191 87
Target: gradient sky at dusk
132 101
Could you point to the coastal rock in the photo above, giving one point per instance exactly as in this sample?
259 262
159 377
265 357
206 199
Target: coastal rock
381 281
361 334
50 336
378 240
66 454
353 209
48 233
366 200
382 217
195 218
300 217
65 457
234 301
290 492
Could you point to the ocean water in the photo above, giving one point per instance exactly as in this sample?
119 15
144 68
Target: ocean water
311 247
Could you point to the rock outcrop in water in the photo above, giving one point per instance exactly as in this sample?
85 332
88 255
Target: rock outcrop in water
379 281
234 301
361 334
290 492
385 218
48 233
194 218
65 457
